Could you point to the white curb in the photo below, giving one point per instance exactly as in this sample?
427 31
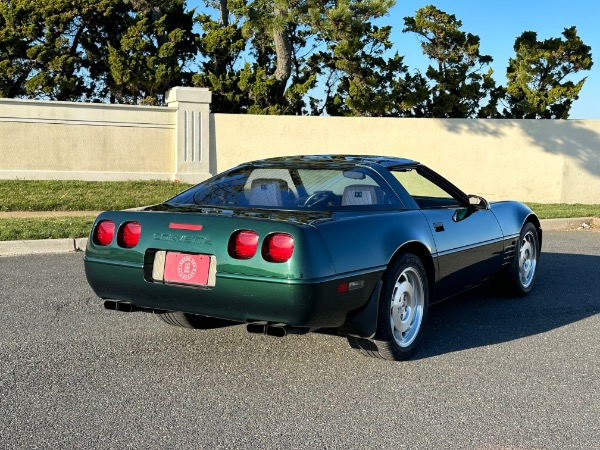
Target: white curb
14 248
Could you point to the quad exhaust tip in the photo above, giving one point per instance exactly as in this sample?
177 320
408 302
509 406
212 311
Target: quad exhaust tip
278 330
128 307
274 329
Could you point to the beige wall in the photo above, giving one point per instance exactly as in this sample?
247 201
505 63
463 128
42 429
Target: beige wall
535 161
62 140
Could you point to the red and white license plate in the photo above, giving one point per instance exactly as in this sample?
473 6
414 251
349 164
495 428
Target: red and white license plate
186 268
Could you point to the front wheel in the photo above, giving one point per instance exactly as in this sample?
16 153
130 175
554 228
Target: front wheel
523 270
403 308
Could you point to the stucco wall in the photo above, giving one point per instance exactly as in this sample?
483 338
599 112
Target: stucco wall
536 161
63 140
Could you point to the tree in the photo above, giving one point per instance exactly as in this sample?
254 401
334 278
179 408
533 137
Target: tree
19 30
459 86
221 44
540 84
38 50
153 51
274 79
115 50
359 79
297 45
277 57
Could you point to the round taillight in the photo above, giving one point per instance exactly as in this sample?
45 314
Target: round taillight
243 244
129 234
104 232
278 247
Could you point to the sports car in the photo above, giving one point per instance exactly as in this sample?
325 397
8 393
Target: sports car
357 246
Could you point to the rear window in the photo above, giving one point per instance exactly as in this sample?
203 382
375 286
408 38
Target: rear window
292 188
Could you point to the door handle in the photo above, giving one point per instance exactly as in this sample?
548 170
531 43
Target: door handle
438 226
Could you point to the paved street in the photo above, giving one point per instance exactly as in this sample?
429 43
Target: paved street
493 372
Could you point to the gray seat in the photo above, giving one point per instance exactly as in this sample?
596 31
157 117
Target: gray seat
362 194
268 192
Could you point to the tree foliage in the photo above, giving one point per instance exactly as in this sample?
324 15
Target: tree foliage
540 84
299 47
459 84
115 50
331 57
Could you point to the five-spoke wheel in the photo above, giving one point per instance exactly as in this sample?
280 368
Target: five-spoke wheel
403 306
407 306
524 267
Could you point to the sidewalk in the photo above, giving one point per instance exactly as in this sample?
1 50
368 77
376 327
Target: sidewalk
15 248
40 214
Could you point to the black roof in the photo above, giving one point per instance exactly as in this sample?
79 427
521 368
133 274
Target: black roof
386 161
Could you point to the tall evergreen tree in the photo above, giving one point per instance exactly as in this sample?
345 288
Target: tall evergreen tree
459 85
540 83
277 57
152 54
295 45
115 50
20 28
360 78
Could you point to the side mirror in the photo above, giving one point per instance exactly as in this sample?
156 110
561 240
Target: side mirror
478 202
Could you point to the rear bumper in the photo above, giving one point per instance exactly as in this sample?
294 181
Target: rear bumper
297 303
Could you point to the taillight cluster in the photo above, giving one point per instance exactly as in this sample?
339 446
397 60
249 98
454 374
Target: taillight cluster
243 244
128 235
276 247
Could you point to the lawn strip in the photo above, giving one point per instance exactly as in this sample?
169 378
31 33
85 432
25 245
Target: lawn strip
564 211
21 229
73 195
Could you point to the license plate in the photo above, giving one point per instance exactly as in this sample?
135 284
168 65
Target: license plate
186 268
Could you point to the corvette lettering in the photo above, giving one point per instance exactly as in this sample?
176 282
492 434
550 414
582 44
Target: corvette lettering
185 239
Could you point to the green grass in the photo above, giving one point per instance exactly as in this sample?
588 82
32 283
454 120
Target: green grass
23 195
564 211
16 229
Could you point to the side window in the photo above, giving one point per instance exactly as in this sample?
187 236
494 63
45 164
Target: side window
425 193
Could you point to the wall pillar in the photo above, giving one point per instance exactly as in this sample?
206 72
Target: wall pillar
192 140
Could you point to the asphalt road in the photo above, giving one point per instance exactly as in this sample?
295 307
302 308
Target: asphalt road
493 372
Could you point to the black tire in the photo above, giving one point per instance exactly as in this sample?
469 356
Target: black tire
403 310
523 270
193 321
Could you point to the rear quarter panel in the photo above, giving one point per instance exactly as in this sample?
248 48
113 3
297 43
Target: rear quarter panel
369 240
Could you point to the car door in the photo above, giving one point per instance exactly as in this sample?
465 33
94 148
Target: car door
468 238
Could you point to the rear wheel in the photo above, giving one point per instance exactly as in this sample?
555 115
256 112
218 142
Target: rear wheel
403 308
193 321
523 270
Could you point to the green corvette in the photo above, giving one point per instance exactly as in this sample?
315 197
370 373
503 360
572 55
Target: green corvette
359 246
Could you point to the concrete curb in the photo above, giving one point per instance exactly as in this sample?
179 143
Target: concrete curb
16 248
569 224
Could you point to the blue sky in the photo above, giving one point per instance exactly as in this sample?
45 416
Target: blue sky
498 24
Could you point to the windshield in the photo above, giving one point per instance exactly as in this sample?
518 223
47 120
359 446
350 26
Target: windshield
292 188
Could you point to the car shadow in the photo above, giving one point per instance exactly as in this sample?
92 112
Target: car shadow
566 291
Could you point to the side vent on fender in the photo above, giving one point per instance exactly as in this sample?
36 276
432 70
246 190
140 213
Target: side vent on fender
509 253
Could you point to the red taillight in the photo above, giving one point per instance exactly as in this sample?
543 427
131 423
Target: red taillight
243 244
129 234
104 232
278 247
